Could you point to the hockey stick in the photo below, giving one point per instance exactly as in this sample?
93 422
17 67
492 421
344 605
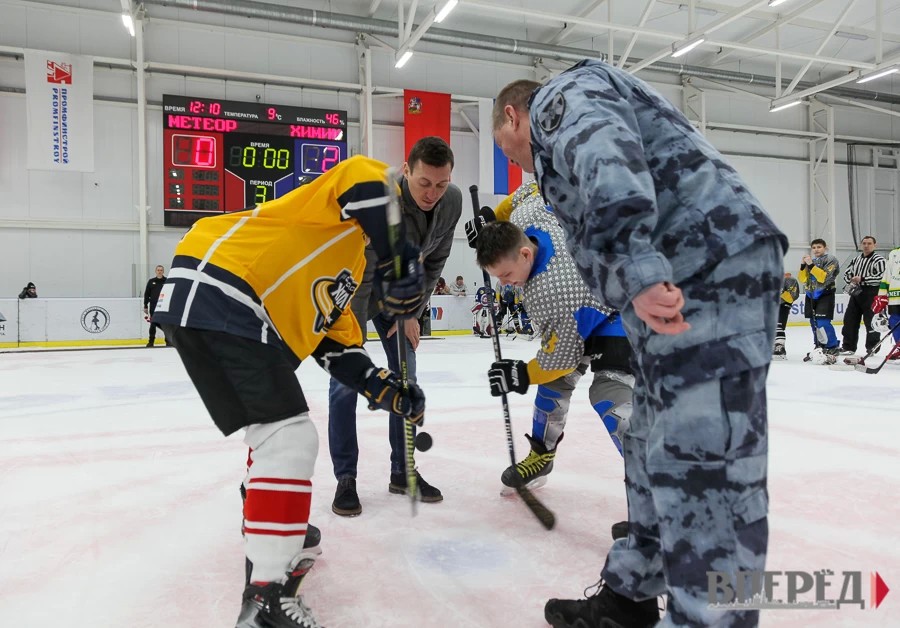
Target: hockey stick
855 362
872 370
395 226
544 514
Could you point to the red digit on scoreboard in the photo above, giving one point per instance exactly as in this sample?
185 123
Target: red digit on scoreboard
331 155
205 152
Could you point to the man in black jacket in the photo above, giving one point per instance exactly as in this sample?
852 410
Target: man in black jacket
151 296
28 292
431 207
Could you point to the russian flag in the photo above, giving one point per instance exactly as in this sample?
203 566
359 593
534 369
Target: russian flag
507 175
496 174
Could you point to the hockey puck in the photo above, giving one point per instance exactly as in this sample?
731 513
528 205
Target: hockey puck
423 441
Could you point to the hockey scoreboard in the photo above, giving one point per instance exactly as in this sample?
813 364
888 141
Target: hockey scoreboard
223 156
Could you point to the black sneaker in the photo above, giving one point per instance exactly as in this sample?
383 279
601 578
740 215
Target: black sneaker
619 530
427 493
605 608
150 344
346 501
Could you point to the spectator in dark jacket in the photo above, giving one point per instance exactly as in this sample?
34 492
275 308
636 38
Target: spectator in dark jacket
430 206
151 296
28 292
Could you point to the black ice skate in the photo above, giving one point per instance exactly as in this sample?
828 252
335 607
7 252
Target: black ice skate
604 608
779 352
532 472
277 605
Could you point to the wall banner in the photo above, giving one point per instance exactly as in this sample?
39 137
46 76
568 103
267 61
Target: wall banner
59 100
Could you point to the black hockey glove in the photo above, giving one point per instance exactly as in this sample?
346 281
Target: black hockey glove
384 392
474 226
508 376
401 297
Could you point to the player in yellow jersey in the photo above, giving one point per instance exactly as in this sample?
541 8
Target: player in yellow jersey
249 296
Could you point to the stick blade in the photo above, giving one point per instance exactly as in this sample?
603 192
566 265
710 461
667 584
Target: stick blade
544 514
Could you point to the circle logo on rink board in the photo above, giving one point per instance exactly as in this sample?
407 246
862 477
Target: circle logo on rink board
95 320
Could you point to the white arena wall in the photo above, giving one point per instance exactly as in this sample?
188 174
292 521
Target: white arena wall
77 235
120 321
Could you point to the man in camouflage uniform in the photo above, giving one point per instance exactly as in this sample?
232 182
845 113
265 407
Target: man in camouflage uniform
665 231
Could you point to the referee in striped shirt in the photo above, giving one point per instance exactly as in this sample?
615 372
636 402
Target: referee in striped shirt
863 276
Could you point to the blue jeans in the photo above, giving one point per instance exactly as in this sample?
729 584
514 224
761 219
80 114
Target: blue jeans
342 441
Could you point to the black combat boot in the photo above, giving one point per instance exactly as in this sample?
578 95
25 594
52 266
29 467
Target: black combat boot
604 609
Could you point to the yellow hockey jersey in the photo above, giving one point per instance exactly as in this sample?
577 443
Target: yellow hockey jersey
285 271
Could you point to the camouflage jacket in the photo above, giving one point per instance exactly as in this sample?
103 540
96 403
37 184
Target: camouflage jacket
642 195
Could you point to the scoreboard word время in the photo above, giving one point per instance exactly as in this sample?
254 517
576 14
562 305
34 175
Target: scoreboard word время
224 156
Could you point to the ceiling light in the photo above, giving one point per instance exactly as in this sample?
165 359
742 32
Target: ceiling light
402 58
129 23
849 35
700 10
775 3
445 10
877 75
792 103
682 48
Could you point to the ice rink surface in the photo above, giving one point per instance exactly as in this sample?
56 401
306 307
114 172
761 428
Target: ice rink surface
121 505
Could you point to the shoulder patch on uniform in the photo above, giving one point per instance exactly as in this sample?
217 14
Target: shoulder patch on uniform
552 114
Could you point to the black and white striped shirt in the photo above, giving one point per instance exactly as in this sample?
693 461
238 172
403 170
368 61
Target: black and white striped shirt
870 268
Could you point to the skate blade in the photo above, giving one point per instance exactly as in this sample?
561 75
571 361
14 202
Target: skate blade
779 357
537 483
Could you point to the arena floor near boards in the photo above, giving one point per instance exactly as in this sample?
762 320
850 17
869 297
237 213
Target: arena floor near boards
121 505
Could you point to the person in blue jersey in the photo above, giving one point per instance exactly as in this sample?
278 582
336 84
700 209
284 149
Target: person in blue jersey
577 333
661 227
818 274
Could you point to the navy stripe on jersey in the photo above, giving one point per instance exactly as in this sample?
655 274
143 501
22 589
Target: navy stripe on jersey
367 203
221 302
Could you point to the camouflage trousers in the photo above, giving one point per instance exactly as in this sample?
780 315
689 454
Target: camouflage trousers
695 476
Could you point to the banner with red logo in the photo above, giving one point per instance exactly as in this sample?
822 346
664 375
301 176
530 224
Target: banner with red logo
424 114
59 100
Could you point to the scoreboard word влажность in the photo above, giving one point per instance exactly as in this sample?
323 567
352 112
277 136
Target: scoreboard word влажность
224 156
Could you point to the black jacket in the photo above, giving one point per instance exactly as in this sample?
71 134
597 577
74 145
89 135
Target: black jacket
151 292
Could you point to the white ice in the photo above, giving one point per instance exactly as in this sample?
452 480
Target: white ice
120 504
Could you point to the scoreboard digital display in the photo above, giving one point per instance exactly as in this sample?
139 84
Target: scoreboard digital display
223 156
